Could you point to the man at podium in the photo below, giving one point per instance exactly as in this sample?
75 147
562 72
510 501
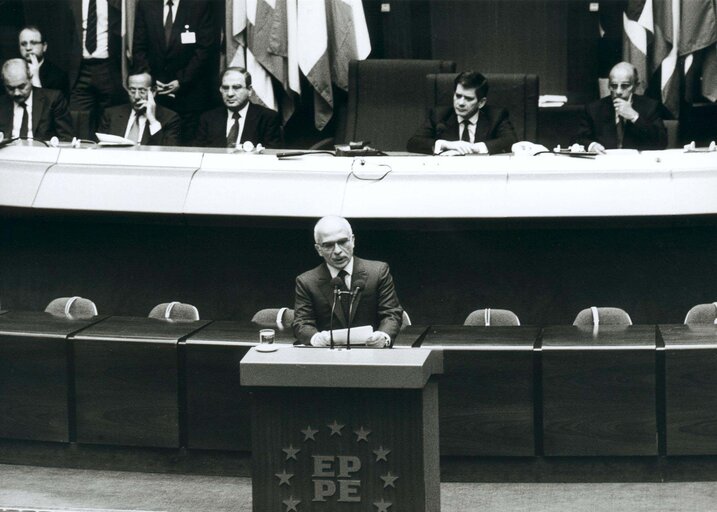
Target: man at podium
353 288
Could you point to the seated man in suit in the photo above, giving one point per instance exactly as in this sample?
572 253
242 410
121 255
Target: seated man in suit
44 73
623 119
469 127
239 120
142 120
30 112
375 302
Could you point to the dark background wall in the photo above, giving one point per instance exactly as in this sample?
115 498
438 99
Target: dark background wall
545 271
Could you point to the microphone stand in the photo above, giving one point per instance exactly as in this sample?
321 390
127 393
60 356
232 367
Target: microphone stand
331 322
354 294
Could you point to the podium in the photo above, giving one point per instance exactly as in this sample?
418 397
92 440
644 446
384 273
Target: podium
344 430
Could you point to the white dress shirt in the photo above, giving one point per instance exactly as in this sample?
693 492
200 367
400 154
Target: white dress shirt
102 51
175 6
153 127
230 121
349 268
482 148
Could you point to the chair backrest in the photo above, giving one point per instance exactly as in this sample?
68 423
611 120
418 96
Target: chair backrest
492 317
702 314
385 100
72 307
174 312
405 320
517 93
281 318
602 316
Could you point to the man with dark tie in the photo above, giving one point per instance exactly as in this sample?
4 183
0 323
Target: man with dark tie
96 52
367 283
469 127
31 112
176 41
239 120
45 74
623 119
142 120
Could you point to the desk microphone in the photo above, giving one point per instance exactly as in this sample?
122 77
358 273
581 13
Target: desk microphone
337 282
358 286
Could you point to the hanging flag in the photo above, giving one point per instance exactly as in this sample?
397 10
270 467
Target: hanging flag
313 57
260 78
235 33
639 29
699 39
666 52
128 8
349 38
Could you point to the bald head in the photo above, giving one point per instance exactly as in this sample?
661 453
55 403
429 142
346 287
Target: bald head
334 241
17 79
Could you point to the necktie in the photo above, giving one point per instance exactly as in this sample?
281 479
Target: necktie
134 130
233 131
24 123
91 34
168 23
620 126
466 135
345 298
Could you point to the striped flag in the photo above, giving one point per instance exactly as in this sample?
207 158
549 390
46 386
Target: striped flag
639 31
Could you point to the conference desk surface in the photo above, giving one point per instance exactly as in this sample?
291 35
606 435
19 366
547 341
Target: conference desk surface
690 383
199 181
127 381
599 390
34 376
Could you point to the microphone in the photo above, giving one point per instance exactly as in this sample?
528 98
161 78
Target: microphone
358 286
336 282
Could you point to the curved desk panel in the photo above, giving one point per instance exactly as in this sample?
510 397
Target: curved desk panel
21 171
121 180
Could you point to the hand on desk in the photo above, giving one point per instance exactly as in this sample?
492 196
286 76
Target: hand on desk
459 147
378 339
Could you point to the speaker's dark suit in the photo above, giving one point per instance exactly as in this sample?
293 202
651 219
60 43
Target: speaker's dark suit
376 305
52 77
262 125
493 128
188 63
114 121
598 125
50 117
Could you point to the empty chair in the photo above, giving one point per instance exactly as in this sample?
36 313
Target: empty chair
281 318
72 307
702 314
602 316
494 317
174 311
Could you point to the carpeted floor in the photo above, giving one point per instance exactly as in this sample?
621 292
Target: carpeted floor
31 487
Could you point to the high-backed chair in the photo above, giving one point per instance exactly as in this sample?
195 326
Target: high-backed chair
385 101
281 318
72 307
517 93
174 312
494 317
702 314
602 316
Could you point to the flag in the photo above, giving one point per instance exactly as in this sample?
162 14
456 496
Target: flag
666 51
639 29
234 33
128 8
699 36
349 37
313 57
260 78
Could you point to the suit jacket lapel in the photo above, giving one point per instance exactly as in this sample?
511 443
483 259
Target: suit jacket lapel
38 109
360 273
483 127
451 132
608 118
179 21
328 291
250 125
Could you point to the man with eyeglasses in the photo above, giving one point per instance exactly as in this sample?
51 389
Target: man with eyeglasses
32 46
142 120
239 120
368 283
623 119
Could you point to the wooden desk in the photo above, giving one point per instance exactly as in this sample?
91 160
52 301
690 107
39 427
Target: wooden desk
127 381
34 375
486 392
218 408
599 391
690 389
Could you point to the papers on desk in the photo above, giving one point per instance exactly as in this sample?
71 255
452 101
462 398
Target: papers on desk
359 335
552 100
113 140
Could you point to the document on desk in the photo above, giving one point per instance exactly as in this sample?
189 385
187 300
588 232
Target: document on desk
107 139
359 335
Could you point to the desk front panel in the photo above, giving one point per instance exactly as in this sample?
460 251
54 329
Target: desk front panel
599 391
690 389
486 393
